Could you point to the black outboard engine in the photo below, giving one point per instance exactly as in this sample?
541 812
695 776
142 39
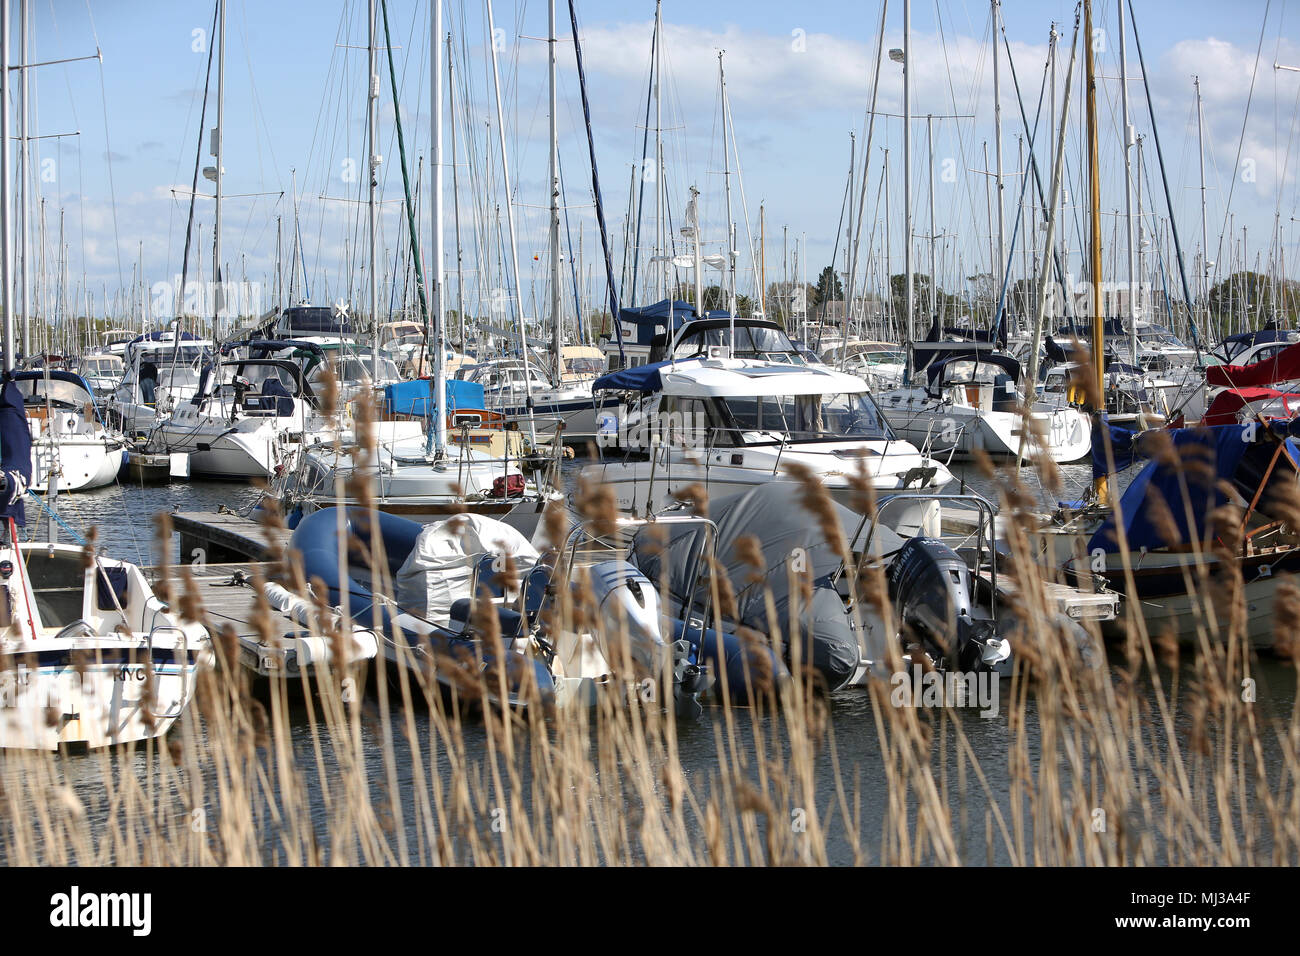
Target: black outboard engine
931 588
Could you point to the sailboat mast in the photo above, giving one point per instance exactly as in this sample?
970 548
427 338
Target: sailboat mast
438 342
907 184
510 216
372 171
218 134
1000 272
660 247
726 188
25 158
1128 185
1098 326
455 197
554 190
1205 240
6 246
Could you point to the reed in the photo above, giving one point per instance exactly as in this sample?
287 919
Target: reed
1146 754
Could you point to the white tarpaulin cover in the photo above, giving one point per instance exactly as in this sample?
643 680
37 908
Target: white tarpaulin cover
440 568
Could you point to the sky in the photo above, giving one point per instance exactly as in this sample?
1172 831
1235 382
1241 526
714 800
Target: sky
799 79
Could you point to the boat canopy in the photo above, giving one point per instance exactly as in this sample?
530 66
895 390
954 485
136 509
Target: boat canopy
1282 367
940 360
15 451
646 322
1229 403
1234 345
1206 461
413 398
62 386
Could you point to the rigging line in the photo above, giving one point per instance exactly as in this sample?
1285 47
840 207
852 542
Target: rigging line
869 122
1241 140
1173 225
198 158
595 186
108 147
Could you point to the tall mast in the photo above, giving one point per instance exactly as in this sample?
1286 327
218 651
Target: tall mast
6 245
218 149
555 199
25 178
929 134
1128 185
889 261
907 183
726 188
1098 330
455 197
510 211
438 342
1000 273
372 171
1205 240
660 247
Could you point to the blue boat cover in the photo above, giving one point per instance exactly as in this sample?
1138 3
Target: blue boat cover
412 398
15 453
1190 490
652 320
638 378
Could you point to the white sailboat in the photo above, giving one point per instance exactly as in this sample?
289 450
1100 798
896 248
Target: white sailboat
72 448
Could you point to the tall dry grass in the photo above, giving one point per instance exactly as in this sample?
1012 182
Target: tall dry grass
1150 756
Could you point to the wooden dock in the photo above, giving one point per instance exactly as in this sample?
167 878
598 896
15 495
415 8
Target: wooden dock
226 591
224 536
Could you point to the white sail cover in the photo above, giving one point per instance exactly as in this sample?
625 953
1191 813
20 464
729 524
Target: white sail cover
440 568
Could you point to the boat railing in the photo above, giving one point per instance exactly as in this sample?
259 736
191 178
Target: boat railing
984 534
184 652
700 554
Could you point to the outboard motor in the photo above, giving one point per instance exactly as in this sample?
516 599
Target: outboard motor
931 588
628 604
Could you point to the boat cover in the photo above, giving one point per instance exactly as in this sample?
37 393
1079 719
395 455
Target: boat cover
787 532
439 570
1208 459
1282 367
638 378
412 398
15 453
1223 410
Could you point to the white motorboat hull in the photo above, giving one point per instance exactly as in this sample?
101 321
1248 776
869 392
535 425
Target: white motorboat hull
81 463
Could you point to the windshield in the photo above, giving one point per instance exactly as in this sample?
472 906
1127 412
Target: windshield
970 372
357 368
584 366
103 366
36 391
769 345
806 417
259 375
164 355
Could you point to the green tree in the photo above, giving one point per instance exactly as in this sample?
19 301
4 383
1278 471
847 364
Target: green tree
829 288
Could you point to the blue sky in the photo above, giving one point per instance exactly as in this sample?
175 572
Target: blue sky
799 77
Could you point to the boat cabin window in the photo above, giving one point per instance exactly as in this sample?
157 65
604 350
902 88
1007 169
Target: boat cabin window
768 345
765 418
37 391
971 372
163 355
59 585
584 366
